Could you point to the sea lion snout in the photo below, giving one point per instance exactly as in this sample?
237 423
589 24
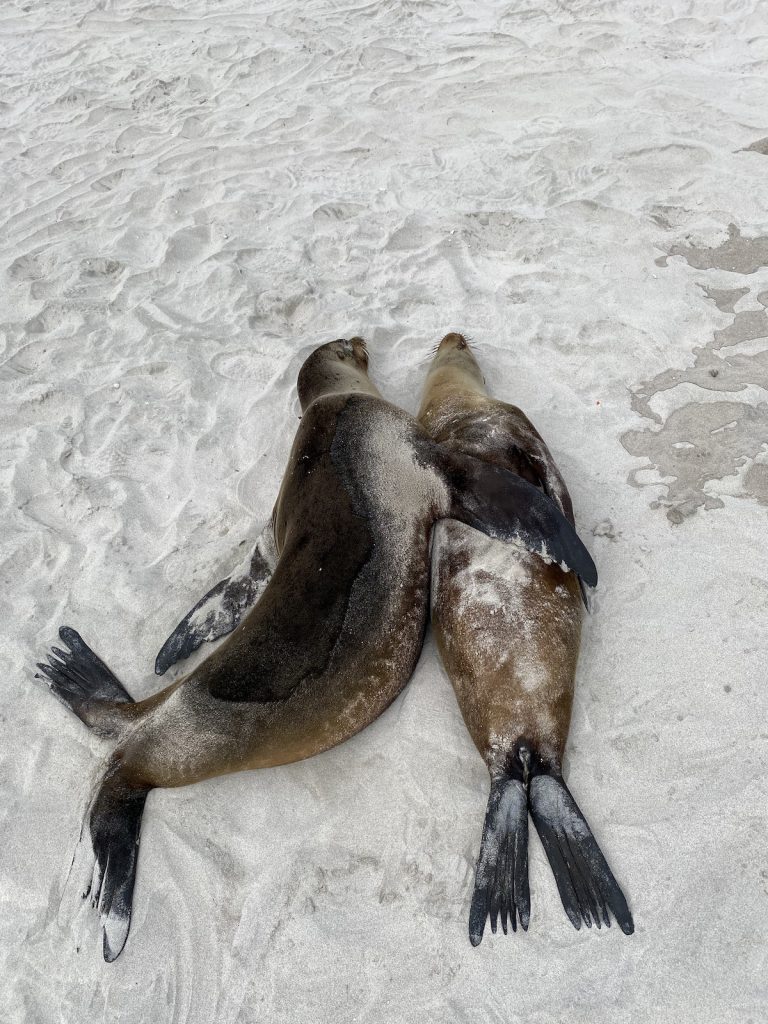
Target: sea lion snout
352 348
453 340
359 351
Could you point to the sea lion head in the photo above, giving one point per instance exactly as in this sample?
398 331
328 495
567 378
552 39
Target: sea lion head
454 355
336 367
454 378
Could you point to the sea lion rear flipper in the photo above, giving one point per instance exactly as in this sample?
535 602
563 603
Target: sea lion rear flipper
501 876
584 880
503 505
113 827
81 681
224 606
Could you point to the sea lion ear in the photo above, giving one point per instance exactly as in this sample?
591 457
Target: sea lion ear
506 507
224 606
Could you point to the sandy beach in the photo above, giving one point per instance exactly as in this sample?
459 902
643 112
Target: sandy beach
197 193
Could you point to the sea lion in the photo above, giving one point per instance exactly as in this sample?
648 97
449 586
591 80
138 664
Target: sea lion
508 627
336 632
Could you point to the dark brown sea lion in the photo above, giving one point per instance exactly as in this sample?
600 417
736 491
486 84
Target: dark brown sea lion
508 627
338 627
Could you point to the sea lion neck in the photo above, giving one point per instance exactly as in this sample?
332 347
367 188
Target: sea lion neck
449 390
338 382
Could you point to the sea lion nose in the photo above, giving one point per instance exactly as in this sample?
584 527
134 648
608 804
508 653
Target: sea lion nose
453 340
359 349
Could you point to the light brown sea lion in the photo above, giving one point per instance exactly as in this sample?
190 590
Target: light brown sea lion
508 627
338 627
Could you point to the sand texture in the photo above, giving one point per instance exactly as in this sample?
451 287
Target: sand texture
195 193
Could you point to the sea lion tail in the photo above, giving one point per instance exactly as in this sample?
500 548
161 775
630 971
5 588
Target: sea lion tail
81 681
507 507
104 865
501 876
584 880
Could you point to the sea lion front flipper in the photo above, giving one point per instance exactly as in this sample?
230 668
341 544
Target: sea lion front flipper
542 468
538 459
224 606
501 876
505 506
81 681
584 880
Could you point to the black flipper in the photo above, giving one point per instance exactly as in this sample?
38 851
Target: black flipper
501 876
81 681
224 606
505 506
540 464
114 824
542 468
584 880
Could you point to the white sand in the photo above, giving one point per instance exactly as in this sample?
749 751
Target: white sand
193 195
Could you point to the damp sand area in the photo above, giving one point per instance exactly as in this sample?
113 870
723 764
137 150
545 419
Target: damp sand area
194 195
